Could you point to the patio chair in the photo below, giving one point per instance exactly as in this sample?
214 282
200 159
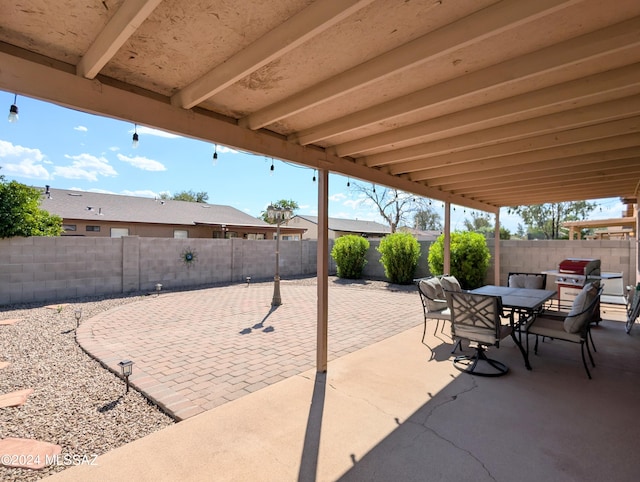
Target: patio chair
434 302
574 328
478 318
536 281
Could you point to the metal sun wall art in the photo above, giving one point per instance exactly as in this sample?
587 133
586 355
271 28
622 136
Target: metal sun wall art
189 256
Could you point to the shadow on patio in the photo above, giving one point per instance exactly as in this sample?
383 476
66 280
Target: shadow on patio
391 411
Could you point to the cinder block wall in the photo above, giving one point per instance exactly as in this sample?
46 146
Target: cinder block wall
52 269
43 269
617 256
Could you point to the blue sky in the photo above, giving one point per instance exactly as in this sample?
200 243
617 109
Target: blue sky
68 149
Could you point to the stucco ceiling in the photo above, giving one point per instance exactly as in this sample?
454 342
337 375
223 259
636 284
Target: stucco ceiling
481 103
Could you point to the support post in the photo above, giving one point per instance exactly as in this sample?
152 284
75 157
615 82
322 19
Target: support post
323 270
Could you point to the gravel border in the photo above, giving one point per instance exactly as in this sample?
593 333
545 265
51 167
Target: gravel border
77 403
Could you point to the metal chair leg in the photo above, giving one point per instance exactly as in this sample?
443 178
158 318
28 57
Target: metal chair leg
584 361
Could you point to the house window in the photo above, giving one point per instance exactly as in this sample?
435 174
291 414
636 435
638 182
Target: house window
180 233
119 232
95 229
69 227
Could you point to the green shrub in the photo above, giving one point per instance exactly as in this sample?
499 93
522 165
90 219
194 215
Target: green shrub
349 253
469 258
400 254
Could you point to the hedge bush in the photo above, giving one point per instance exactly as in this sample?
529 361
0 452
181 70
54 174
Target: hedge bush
469 258
400 253
349 253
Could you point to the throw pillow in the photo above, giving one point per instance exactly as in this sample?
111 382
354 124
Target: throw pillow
517 281
577 316
435 294
533 282
450 283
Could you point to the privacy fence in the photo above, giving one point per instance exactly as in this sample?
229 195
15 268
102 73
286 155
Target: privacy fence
54 269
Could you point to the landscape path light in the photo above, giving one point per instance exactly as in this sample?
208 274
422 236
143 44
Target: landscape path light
126 368
78 314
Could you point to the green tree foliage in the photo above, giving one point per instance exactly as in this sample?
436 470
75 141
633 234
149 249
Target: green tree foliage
427 218
349 253
469 258
548 218
478 222
20 213
282 204
481 223
190 196
400 253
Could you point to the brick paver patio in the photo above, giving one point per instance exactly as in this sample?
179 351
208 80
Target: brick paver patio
195 350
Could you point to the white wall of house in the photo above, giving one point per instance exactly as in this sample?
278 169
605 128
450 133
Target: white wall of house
42 269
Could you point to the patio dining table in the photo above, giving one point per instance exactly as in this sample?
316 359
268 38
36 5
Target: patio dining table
524 302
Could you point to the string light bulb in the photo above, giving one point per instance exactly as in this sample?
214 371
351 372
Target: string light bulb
314 175
374 188
272 168
348 182
215 154
134 142
13 110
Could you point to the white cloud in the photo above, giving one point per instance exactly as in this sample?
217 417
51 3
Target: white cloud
81 128
100 191
226 150
338 197
85 166
150 131
142 163
352 203
22 161
141 193
114 148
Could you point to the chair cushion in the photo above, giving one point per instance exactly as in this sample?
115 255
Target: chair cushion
481 335
552 328
435 294
450 283
577 316
530 281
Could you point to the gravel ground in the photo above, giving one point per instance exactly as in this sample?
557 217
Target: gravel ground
77 403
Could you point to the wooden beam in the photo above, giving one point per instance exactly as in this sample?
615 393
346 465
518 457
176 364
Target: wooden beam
437 175
549 60
313 20
483 24
598 120
599 89
122 25
554 171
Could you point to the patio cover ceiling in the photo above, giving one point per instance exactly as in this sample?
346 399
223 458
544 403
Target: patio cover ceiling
481 103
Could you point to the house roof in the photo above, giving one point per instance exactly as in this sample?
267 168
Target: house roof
83 205
481 103
350 225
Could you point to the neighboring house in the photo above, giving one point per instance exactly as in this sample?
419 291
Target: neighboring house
429 235
110 215
339 227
